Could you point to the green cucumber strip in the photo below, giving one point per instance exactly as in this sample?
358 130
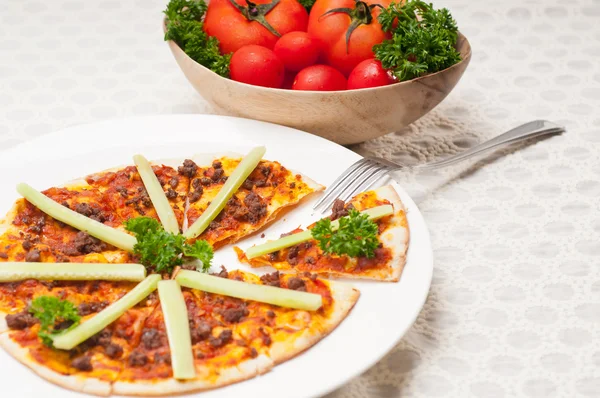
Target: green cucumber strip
248 291
59 212
157 195
178 329
235 180
16 271
107 316
291 240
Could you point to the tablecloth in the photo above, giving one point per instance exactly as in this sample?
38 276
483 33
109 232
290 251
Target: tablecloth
514 308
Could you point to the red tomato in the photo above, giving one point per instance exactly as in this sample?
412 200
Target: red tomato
297 50
237 23
369 73
331 27
257 65
319 78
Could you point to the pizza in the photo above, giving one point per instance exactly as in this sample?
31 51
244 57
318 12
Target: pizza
233 339
267 191
385 265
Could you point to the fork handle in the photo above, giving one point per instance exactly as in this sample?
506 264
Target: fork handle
535 128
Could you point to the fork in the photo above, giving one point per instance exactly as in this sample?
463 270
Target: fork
367 171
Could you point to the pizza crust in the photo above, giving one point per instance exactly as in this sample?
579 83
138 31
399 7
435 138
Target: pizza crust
244 371
76 383
344 299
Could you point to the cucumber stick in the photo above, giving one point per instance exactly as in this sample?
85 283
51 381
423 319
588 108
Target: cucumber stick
98 230
157 195
178 329
291 240
234 181
248 291
107 316
10 272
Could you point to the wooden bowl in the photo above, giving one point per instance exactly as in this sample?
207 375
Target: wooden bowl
345 117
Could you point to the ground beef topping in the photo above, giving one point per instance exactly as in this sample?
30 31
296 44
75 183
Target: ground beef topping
83 243
224 338
20 320
234 315
339 209
33 256
114 351
271 279
174 182
200 332
91 211
137 359
151 338
188 169
162 358
83 363
256 208
296 284
171 194
223 273
89 308
195 195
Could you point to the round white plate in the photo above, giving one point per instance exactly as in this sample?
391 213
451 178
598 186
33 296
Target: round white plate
384 311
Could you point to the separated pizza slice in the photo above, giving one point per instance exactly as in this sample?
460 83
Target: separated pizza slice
124 189
92 366
386 264
234 339
268 190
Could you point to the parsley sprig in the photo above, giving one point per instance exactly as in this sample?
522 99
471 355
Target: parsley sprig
355 237
423 39
185 27
161 250
53 314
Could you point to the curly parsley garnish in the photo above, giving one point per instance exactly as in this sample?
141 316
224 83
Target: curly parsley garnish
56 316
423 39
162 250
185 27
355 237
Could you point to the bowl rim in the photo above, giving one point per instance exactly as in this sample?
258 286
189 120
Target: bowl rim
465 60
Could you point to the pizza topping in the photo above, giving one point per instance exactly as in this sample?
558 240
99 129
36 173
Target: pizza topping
249 291
151 338
21 320
223 273
162 250
107 316
235 314
123 191
340 209
55 272
33 256
188 169
105 233
137 359
3 255
217 174
171 194
266 339
114 351
224 337
256 208
271 279
93 212
296 284
55 315
201 332
157 195
270 314
239 175
83 363
303 236
83 243
27 245
195 195
356 235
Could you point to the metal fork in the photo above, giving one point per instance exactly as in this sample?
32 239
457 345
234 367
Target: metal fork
364 173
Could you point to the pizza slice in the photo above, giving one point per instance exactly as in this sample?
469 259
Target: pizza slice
234 339
268 190
386 264
92 366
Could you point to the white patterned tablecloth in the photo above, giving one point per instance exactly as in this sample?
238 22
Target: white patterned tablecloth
514 309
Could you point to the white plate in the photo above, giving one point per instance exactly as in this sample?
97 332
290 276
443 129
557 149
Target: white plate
384 311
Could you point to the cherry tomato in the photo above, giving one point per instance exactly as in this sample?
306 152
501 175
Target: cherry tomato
297 50
369 73
236 23
257 65
347 30
319 78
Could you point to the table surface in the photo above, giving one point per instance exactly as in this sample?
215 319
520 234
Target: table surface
514 309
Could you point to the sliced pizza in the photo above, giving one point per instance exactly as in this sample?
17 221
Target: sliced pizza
268 190
387 262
